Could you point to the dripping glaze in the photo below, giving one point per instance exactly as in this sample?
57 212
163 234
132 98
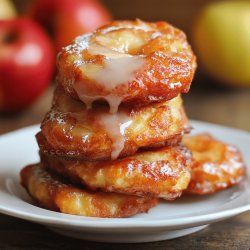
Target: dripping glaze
116 71
115 125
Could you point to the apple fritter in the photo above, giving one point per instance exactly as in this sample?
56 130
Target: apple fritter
51 193
162 173
216 165
132 62
69 129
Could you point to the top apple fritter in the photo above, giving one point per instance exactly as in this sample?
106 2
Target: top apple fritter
215 165
132 62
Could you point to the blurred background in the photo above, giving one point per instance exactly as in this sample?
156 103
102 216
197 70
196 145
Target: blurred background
219 32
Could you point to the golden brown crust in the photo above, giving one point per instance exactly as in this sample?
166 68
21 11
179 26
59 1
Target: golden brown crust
51 193
167 70
71 130
160 173
216 165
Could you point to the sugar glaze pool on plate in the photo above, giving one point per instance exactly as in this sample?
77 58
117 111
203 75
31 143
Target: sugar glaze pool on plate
166 221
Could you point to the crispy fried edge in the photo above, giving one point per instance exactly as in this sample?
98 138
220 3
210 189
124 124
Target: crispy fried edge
56 141
51 193
144 89
160 173
207 181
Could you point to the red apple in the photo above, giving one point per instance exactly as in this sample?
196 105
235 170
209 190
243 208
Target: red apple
26 63
66 19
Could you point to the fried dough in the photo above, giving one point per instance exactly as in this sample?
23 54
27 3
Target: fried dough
162 173
51 193
72 131
215 166
132 62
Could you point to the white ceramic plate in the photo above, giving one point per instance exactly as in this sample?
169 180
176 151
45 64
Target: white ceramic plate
166 221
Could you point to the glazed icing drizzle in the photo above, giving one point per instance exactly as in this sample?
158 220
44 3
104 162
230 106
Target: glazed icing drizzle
116 70
113 100
114 125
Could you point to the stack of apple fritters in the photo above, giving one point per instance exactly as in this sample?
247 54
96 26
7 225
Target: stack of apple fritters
111 144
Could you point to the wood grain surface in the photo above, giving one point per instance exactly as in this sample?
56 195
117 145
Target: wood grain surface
231 234
206 101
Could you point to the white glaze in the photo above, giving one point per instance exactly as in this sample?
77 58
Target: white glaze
116 72
117 69
98 49
113 100
115 125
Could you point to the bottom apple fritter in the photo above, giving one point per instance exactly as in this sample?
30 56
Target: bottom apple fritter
52 193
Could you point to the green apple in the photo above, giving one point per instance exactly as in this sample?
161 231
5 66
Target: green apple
7 10
221 37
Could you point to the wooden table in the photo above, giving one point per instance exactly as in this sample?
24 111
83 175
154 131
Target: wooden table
205 102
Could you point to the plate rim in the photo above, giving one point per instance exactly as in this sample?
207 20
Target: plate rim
123 223
114 223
